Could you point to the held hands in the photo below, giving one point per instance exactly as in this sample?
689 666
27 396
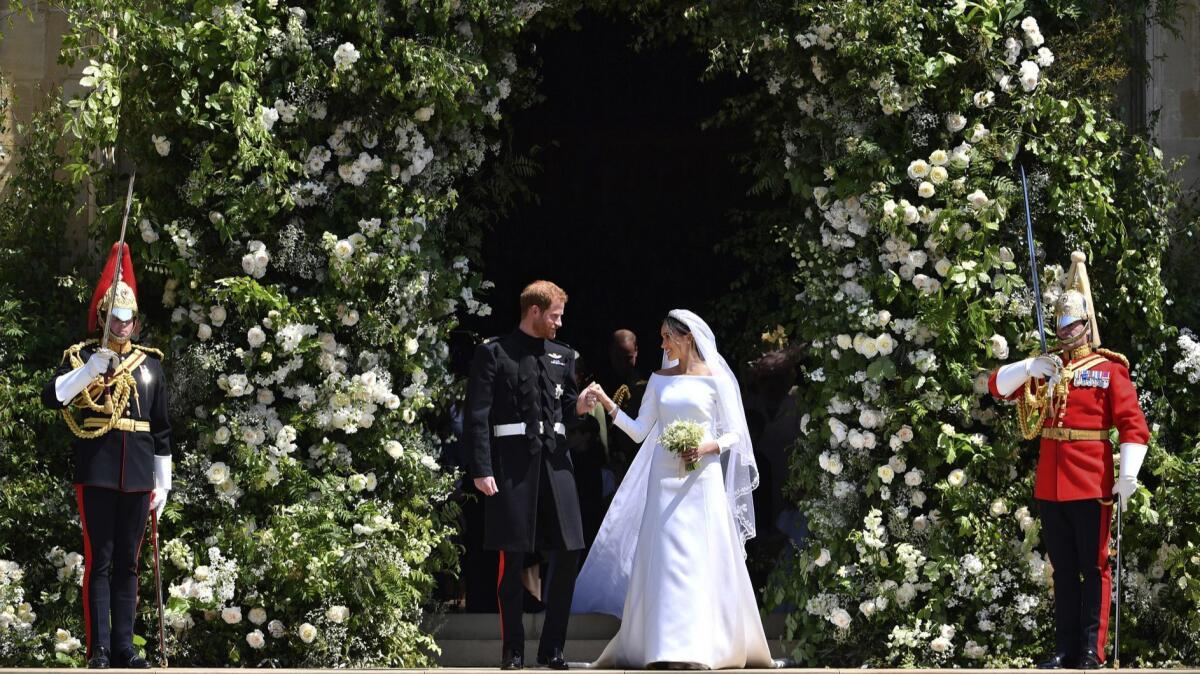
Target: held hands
591 395
708 447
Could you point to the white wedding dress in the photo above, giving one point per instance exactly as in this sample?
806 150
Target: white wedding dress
689 596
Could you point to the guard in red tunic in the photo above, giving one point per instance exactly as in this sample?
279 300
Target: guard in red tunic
1072 402
122 458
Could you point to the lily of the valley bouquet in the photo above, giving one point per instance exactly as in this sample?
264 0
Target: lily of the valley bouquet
680 436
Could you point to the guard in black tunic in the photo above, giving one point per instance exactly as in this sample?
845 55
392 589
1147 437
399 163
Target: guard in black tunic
521 396
122 458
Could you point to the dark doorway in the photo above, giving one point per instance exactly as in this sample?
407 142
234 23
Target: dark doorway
632 196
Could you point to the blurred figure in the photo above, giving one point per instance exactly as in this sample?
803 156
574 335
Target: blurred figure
628 385
588 443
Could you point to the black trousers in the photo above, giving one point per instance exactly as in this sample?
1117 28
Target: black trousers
114 523
1076 535
558 586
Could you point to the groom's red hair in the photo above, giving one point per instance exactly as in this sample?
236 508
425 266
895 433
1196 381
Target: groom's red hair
541 294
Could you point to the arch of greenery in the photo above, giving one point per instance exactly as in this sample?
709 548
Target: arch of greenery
306 248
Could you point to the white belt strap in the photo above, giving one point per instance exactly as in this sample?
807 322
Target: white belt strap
505 430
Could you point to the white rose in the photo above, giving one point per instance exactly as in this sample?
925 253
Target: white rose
232 615
956 478
999 346
883 317
955 122
840 618
256 639
912 214
217 315
423 114
999 507
411 345
939 157
920 524
276 629
938 175
337 614
258 615
978 133
905 434
983 99
823 558
942 266
343 58
926 189
307 633
204 332
256 337
940 645
1045 57
350 318
918 169
867 608
885 344
217 473
343 249
886 474
394 449
917 498
161 145
1030 73
977 199
221 436
844 342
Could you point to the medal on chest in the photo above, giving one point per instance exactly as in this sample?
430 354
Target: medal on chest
1091 379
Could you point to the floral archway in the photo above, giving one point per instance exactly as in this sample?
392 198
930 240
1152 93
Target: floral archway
298 175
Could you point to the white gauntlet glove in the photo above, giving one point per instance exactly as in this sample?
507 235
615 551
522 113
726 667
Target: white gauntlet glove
1010 377
72 383
162 484
1132 455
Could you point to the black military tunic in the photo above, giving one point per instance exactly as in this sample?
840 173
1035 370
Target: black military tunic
519 379
113 477
520 400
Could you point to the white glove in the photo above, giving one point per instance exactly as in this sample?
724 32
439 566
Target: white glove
1043 366
1010 377
162 484
74 382
1132 455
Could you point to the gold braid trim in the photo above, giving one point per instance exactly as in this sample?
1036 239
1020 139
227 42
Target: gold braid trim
621 396
1033 407
150 350
1113 355
116 400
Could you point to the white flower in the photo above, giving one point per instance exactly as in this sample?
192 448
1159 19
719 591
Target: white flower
974 651
276 629
940 645
955 122
423 114
972 564
823 558
978 133
999 346
926 189
920 523
918 169
939 157
343 59
258 615
1030 73
978 200
307 633
204 332
221 436
1030 25
844 342
350 318
840 618
983 99
343 249
999 507
256 639
267 117
337 614
217 315
913 477
232 615
956 478
1045 57
831 463
905 434
942 266
411 345
868 607
217 473
161 145
357 482
886 474
885 344
938 175
394 449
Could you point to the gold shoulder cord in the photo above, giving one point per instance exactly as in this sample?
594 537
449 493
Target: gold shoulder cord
622 395
1113 355
116 400
1034 406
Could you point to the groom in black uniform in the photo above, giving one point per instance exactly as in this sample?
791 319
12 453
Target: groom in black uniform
521 396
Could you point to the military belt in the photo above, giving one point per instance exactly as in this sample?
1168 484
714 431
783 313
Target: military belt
1074 434
131 425
505 430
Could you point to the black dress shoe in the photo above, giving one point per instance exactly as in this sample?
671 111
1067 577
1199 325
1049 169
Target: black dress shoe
1058 661
513 660
554 660
99 659
129 659
1089 660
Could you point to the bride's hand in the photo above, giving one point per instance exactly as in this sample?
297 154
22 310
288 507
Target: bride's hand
707 447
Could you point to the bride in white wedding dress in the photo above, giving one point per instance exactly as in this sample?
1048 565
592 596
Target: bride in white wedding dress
669 557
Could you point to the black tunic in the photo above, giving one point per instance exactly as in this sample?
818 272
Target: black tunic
122 460
524 379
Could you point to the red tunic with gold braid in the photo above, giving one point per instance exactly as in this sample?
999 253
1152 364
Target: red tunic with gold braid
1100 396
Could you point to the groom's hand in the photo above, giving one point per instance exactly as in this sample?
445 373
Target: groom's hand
487 485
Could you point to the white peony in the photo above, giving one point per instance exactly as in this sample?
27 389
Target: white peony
999 346
307 633
343 58
926 189
394 449
221 436
885 344
977 200
258 615
983 99
161 145
942 266
337 614
956 478
276 629
840 618
256 639
886 474
423 114
955 122
1030 72
256 337
232 615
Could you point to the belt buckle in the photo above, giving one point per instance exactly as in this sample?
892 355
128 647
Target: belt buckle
541 428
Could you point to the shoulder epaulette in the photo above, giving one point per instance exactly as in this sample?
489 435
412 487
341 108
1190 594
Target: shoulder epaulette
72 352
149 350
1113 355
